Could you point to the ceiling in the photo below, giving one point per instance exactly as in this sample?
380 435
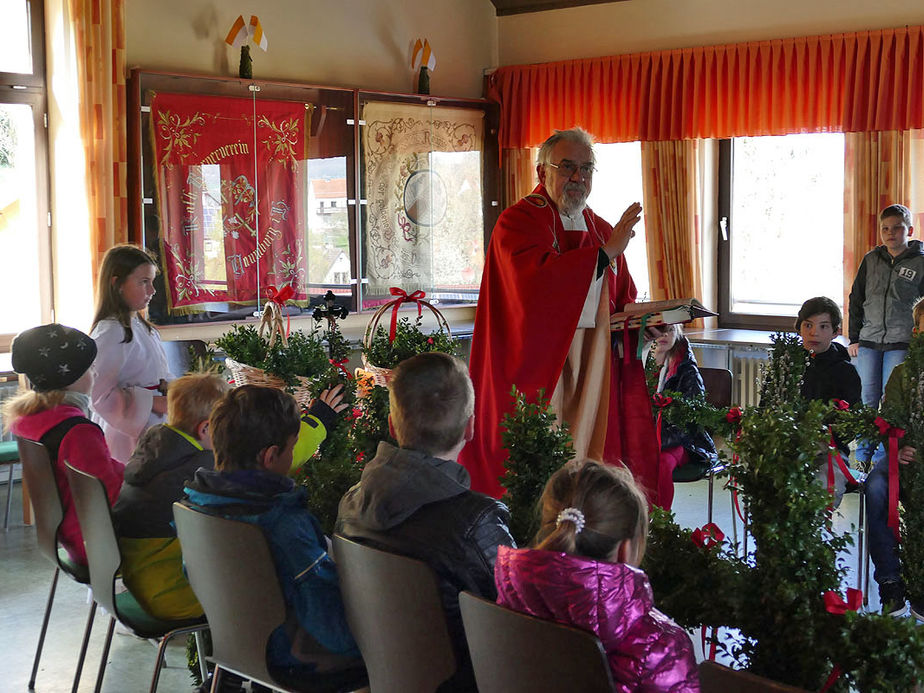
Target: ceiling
505 7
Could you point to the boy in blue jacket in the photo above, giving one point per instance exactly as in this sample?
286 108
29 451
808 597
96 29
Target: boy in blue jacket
254 430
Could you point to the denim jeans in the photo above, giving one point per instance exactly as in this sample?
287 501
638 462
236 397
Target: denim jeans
882 545
874 368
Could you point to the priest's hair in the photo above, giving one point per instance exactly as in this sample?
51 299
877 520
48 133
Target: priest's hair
578 135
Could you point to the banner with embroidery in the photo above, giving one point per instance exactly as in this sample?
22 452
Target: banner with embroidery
423 183
230 182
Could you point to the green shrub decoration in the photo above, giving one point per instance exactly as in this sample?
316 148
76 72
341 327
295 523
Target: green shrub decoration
409 341
537 447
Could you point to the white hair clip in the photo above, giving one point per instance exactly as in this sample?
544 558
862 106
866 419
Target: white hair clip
571 515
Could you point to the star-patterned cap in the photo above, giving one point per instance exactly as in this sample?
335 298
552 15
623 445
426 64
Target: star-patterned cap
52 356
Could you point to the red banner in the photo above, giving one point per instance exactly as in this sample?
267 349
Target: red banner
230 185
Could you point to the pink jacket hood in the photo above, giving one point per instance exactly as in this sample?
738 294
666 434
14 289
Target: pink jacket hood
646 650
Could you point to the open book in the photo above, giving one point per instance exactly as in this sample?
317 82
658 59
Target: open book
659 313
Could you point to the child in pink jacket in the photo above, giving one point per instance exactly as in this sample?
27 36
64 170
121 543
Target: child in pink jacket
584 573
57 360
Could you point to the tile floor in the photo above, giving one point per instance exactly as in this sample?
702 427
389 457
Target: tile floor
25 578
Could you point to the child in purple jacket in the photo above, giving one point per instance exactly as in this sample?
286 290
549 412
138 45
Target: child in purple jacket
584 573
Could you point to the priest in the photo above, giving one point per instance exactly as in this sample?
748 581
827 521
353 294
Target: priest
554 273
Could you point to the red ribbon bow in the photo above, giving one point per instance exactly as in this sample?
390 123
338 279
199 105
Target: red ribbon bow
734 415
660 401
707 536
279 297
840 404
835 604
341 364
895 434
403 297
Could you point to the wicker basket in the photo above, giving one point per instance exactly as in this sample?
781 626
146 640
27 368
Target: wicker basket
382 376
243 374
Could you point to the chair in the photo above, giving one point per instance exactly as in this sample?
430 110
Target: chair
104 560
395 612
718 385
518 653
715 678
38 473
232 573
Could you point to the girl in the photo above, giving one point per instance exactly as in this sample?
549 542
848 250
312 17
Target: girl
584 572
57 361
686 454
131 369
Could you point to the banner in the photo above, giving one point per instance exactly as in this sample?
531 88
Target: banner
425 225
230 187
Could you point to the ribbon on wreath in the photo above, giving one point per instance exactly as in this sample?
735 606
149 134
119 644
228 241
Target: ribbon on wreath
279 297
660 401
834 455
403 297
707 536
837 605
341 364
894 434
713 642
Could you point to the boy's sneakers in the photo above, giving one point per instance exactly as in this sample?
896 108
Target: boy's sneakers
892 598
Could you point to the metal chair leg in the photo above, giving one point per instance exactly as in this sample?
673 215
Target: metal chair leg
710 502
9 500
200 652
102 661
83 646
162 652
41 642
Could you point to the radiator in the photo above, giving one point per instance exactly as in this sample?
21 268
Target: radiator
747 367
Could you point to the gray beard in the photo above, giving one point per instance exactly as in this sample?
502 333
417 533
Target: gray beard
570 207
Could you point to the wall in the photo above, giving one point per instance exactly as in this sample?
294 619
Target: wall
647 25
349 43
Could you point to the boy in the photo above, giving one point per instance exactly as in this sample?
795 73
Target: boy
829 374
254 431
166 457
883 548
416 500
888 282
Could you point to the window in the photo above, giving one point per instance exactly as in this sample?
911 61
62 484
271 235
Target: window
617 184
24 230
781 202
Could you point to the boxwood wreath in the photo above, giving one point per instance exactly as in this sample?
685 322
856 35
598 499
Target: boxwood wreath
790 620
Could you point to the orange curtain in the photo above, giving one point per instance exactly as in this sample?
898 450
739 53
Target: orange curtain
519 171
870 80
99 37
670 187
880 168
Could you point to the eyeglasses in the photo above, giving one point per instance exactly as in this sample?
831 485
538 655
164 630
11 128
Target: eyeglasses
568 168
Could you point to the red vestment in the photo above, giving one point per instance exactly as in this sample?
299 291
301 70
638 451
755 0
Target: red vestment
535 282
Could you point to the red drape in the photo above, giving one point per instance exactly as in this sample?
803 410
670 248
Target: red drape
870 80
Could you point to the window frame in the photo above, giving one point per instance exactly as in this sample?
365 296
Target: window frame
142 82
727 318
29 89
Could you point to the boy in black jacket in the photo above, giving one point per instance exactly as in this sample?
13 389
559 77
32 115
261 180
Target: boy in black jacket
830 374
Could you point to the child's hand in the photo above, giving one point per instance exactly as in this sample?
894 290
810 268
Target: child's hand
159 406
906 454
333 398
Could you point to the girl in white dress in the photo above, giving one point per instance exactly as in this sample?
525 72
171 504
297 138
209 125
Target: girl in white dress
131 367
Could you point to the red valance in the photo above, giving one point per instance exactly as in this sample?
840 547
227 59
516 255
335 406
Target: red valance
860 82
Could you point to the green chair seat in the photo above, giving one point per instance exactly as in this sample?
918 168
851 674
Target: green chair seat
9 452
133 615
